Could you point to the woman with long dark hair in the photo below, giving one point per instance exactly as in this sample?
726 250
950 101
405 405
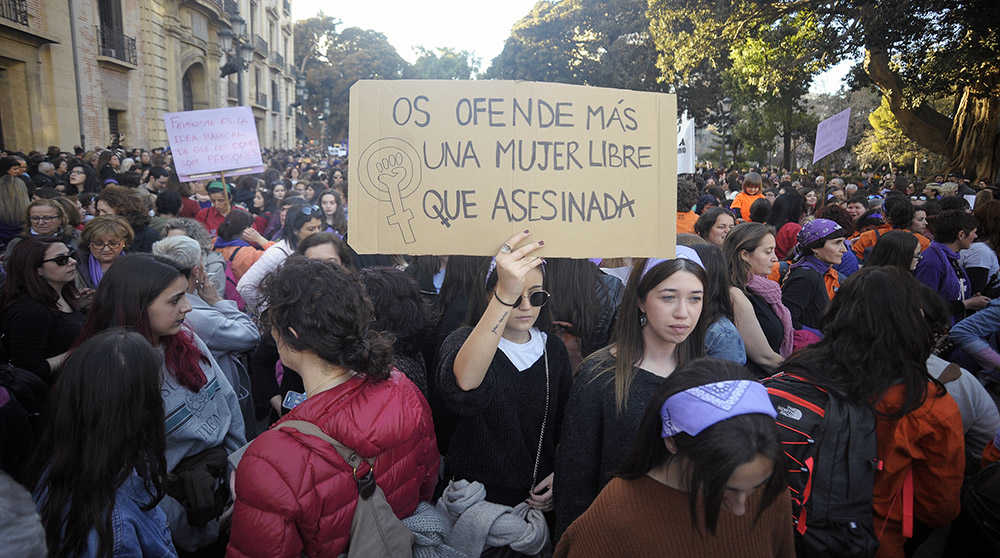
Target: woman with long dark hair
204 422
786 214
918 427
980 259
333 210
659 328
508 379
714 224
764 323
126 203
39 312
101 466
294 493
586 306
899 249
704 476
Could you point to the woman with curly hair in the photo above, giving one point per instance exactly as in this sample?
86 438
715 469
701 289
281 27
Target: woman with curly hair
352 395
125 202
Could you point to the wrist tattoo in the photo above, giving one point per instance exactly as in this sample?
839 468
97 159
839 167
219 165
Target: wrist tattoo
500 321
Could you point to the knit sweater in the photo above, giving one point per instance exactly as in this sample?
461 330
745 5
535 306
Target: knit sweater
496 437
644 518
595 438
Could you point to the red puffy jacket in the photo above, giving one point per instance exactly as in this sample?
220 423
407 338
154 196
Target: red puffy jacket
295 494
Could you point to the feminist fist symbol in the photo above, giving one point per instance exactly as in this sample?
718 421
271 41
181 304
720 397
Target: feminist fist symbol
390 171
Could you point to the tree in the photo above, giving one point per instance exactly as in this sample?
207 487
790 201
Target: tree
332 61
885 143
586 42
913 52
446 63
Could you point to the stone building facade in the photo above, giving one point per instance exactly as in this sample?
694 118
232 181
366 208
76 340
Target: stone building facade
85 72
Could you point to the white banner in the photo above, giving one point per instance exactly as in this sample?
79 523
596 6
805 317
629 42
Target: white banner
685 145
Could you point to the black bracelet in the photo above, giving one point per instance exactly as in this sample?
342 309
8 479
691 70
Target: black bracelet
495 295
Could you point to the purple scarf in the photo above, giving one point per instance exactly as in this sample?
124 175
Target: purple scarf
219 243
813 263
96 273
771 293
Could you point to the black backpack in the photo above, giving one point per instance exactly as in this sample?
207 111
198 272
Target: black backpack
831 457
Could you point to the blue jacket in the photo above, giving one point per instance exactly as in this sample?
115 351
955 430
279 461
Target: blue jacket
137 533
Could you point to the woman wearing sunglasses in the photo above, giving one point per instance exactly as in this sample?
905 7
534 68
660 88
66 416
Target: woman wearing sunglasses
300 223
39 317
508 380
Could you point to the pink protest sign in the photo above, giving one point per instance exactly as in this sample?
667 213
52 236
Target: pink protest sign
831 134
207 143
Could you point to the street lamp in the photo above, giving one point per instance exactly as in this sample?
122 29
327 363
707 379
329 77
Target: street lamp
243 54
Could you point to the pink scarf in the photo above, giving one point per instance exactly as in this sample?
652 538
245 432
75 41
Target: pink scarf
771 293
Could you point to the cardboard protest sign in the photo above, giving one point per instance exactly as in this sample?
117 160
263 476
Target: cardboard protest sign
456 167
831 134
207 143
685 145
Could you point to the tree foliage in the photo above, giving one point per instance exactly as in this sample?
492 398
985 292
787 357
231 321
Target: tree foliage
586 42
913 52
444 63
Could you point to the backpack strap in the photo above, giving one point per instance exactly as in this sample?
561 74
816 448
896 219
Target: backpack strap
350 456
233 255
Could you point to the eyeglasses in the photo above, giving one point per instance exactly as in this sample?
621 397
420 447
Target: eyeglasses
74 171
43 218
59 260
111 244
536 299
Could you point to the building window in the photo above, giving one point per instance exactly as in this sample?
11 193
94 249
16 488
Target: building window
110 13
114 126
256 81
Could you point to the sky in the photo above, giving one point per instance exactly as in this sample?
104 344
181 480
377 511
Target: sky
478 26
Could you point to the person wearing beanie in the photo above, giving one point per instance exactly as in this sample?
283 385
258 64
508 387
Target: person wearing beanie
812 280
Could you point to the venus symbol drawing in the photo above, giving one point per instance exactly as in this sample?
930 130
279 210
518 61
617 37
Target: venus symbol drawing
389 171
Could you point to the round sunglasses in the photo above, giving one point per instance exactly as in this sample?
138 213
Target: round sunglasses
536 299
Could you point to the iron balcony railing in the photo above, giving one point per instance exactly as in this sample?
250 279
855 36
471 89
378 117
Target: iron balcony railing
260 45
115 44
278 60
261 99
14 10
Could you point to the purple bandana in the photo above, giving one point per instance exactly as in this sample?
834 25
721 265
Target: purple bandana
682 252
697 408
814 230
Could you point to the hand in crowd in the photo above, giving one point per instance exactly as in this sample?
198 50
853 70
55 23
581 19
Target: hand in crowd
205 287
251 235
977 302
541 495
513 265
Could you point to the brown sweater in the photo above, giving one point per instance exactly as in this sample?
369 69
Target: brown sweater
644 518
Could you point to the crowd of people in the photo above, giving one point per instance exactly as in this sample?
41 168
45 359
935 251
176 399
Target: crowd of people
209 368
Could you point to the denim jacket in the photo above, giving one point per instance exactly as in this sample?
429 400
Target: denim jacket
137 533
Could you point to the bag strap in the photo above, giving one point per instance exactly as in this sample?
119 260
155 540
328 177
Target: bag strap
234 252
350 456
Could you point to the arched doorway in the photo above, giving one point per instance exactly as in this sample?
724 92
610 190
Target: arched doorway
194 92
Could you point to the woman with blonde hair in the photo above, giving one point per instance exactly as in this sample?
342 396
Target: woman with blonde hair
13 205
103 239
